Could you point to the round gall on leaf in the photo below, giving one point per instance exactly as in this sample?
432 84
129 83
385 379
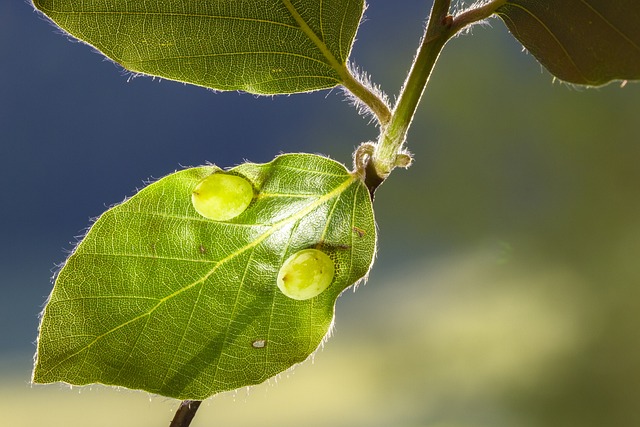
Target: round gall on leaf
221 197
305 274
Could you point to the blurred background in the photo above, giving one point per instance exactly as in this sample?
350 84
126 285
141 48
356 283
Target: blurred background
507 286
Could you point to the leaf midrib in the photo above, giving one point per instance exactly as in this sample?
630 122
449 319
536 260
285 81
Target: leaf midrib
333 62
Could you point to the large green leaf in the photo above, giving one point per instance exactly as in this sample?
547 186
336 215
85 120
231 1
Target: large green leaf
590 42
159 298
258 46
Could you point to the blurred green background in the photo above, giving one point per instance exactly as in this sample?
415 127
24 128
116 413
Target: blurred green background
507 286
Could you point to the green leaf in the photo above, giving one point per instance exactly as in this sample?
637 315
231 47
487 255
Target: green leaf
258 46
159 298
589 42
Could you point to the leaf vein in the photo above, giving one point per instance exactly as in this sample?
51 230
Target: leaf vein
616 29
176 14
259 239
551 33
214 55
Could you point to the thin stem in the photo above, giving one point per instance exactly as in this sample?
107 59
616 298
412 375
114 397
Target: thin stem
393 136
185 413
441 28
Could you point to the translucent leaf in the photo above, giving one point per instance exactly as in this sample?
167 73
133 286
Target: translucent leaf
258 46
158 297
590 42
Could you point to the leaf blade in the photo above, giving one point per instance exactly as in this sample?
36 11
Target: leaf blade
255 46
107 322
588 42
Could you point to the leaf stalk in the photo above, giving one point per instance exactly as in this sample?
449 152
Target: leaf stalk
368 97
377 106
475 14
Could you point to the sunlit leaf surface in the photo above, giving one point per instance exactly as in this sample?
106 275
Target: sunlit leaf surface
160 298
590 42
258 46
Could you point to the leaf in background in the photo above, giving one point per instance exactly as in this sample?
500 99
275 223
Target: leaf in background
159 298
258 46
589 42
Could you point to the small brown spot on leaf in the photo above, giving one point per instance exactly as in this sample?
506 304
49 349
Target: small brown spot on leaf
359 231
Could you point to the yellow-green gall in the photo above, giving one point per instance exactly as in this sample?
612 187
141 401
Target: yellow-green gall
221 196
305 274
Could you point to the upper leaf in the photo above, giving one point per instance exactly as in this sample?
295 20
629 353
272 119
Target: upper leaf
589 42
258 46
160 298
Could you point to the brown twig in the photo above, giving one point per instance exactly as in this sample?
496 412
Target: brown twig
185 413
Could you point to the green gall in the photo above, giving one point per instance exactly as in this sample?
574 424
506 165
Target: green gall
305 274
221 196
